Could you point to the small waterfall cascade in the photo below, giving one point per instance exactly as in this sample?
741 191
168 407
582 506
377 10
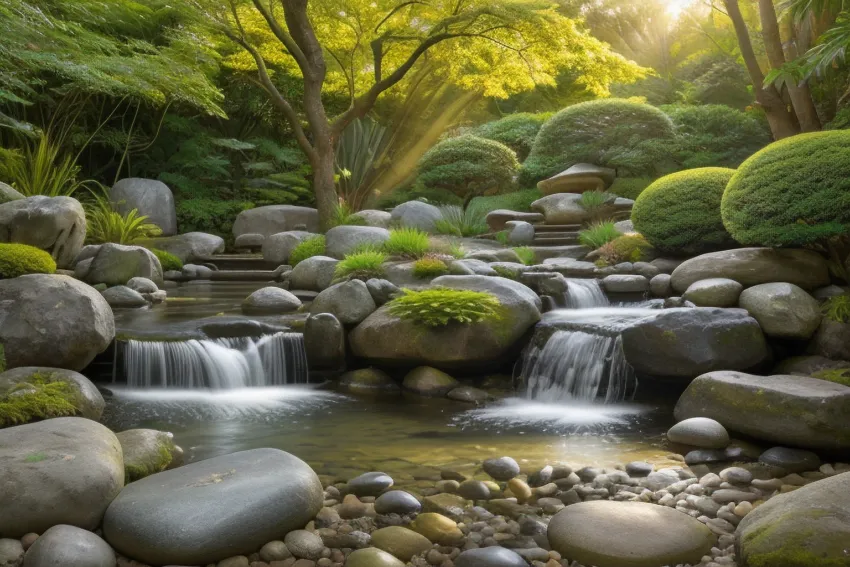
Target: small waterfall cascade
585 293
578 366
269 360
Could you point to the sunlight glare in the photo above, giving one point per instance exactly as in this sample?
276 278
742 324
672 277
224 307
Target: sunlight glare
676 7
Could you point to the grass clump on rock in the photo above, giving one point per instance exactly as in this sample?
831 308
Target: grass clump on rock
167 260
837 308
837 375
437 307
429 268
679 214
598 234
313 246
407 243
526 255
363 265
37 398
21 259
626 248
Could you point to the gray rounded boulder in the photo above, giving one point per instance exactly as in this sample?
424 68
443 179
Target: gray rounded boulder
69 546
368 381
116 264
8 193
147 452
372 217
53 318
54 224
121 296
278 247
313 274
343 240
272 219
714 292
189 247
647 535
149 197
427 381
65 470
416 214
350 302
211 510
783 310
81 392
324 341
699 432
270 301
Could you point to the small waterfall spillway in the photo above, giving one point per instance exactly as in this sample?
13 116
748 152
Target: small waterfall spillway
227 363
585 293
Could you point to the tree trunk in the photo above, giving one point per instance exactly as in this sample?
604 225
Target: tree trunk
801 96
324 187
781 123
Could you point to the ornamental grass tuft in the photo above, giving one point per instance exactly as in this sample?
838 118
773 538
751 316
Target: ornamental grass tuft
438 307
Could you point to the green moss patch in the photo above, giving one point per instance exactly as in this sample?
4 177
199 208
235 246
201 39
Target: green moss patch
40 397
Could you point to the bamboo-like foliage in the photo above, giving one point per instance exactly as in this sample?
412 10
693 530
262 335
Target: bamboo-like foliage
105 224
42 169
359 148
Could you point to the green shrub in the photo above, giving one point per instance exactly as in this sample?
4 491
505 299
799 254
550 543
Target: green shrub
794 192
429 267
598 234
437 307
631 137
837 308
526 255
214 216
168 260
38 398
468 165
680 213
105 224
516 131
313 246
20 259
715 135
629 187
361 266
41 168
516 201
457 221
407 243
625 248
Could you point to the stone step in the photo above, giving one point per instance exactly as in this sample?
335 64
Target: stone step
555 241
546 252
242 276
557 227
564 234
241 262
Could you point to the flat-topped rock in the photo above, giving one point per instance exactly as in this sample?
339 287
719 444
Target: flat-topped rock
577 179
498 219
272 219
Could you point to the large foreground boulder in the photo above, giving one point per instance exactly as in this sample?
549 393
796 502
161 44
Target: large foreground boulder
59 471
276 218
150 198
753 266
807 527
683 343
116 264
788 410
189 247
385 338
54 224
55 319
78 390
211 510
628 534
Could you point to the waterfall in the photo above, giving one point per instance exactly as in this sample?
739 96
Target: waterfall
574 365
584 293
270 360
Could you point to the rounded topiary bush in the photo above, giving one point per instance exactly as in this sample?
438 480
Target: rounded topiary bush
680 213
517 131
20 259
793 192
629 136
468 165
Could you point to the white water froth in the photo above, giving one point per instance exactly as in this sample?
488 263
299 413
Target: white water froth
573 416
585 293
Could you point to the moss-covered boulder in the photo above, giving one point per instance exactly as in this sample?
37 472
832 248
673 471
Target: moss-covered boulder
33 393
54 224
795 411
427 381
21 259
368 381
809 527
148 451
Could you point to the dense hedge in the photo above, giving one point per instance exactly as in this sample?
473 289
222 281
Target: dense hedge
715 135
214 216
794 192
468 165
629 187
680 213
631 137
20 259
516 131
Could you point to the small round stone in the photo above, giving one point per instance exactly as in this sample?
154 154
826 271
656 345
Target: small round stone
69 546
400 542
11 552
490 557
474 490
304 544
639 468
370 484
736 475
700 432
274 551
502 468
372 557
397 502
520 489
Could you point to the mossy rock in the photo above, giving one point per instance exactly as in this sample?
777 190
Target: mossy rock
32 393
20 259
147 452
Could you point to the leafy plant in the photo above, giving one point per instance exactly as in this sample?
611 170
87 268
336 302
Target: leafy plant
626 248
837 308
429 267
361 266
104 224
438 307
20 259
313 246
407 243
343 214
167 260
592 201
526 255
458 221
42 169
598 234
359 148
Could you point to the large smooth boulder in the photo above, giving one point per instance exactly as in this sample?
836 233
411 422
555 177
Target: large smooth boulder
270 301
7 193
278 247
782 309
59 471
116 264
754 266
54 224
210 510
807 527
831 340
324 341
787 410
313 274
605 533
82 394
566 208
147 452
498 219
273 219
53 318
416 214
149 197
683 342
189 247
343 240
69 546
385 338
350 302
